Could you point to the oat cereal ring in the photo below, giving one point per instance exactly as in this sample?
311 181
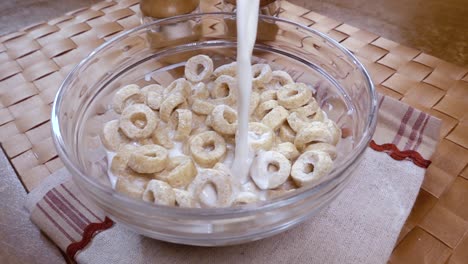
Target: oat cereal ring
148 159
132 187
207 148
126 96
254 101
138 121
202 107
310 167
183 124
270 169
192 68
179 173
312 133
334 130
223 119
154 95
268 95
282 77
180 85
112 137
288 150
224 90
286 133
160 193
325 147
184 199
276 117
226 69
261 75
219 193
245 198
161 136
264 108
199 91
168 106
260 136
294 95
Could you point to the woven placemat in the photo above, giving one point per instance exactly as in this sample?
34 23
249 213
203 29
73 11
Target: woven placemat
36 59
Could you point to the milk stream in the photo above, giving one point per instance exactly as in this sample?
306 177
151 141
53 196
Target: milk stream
247 20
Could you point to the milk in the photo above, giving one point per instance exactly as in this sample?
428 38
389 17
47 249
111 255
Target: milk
247 21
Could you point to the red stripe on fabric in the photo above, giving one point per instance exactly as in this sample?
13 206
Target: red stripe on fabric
90 231
421 135
415 130
76 199
67 210
396 154
55 223
64 217
83 217
402 128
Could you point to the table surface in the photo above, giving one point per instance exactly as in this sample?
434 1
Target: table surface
436 231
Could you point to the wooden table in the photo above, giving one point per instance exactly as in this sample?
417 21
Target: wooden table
36 59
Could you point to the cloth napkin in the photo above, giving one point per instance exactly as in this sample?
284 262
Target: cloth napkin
360 226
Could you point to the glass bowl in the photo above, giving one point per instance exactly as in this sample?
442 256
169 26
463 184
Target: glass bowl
156 52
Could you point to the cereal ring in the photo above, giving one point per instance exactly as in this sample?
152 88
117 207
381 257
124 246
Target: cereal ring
320 116
245 198
313 133
131 187
212 188
126 96
192 70
226 69
161 136
286 133
276 117
138 121
179 172
325 147
223 119
288 150
148 159
180 85
268 95
183 124
304 115
154 95
294 95
270 169
260 136
334 130
168 106
156 88
184 199
254 100
199 91
202 107
261 75
119 165
207 148
224 90
310 167
160 193
264 108
282 78
112 137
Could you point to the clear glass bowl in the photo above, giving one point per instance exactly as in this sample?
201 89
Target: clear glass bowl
157 52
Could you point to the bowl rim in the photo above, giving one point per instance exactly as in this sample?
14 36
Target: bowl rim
299 194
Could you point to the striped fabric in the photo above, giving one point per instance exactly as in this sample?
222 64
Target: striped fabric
65 215
70 220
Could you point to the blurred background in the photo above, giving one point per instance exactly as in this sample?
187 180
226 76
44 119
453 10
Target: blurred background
438 27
